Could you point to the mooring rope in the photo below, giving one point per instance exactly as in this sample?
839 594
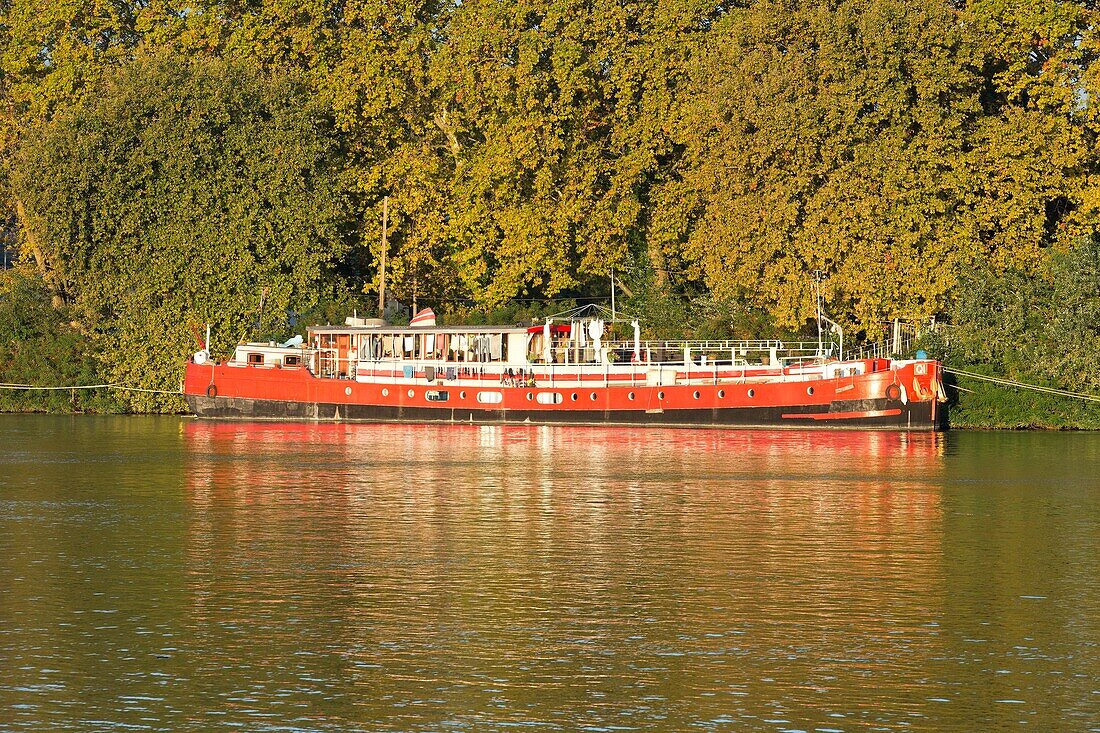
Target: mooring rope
1022 385
119 387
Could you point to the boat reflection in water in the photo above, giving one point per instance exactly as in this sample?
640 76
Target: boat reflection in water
572 577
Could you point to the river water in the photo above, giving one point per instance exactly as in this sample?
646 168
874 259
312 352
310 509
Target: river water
173 574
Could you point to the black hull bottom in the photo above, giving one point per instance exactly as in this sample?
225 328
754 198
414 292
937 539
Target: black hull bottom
915 417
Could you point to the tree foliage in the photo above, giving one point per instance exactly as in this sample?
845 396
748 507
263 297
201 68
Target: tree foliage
39 347
1035 328
1041 330
707 152
176 198
890 145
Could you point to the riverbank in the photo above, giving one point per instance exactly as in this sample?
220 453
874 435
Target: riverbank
980 405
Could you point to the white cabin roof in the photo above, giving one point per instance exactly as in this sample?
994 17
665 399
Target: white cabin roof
409 330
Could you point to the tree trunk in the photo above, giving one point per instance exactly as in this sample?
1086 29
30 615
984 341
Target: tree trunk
35 247
442 121
659 263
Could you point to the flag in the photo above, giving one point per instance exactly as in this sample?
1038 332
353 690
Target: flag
425 317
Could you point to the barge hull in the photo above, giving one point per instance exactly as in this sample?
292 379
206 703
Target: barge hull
871 414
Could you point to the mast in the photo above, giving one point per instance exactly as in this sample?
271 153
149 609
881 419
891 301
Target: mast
817 304
612 293
260 323
385 246
834 327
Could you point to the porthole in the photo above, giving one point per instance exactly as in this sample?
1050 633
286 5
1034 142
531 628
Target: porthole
695 394
347 391
462 394
809 390
630 396
574 396
490 398
412 393
660 395
721 394
593 396
530 396
752 393
385 392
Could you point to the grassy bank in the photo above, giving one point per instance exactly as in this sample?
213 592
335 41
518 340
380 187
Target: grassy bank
975 404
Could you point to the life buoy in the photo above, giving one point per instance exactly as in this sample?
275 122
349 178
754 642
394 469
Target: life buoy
893 392
212 391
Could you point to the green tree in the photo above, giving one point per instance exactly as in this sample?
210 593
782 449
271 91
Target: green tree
39 347
1041 330
175 197
52 55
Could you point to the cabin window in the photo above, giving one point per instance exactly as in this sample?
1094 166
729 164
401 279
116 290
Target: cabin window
292 361
437 395
549 398
255 359
490 398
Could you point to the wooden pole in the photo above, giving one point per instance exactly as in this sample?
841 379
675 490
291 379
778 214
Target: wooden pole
260 324
612 293
385 246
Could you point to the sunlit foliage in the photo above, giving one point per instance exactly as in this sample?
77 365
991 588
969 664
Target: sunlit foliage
726 152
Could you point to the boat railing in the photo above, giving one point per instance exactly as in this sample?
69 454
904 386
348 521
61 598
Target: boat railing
613 355
740 351
899 338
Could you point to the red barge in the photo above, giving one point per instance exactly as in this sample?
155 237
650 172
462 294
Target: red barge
560 372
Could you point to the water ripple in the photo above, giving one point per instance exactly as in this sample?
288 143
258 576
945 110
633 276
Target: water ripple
165 574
